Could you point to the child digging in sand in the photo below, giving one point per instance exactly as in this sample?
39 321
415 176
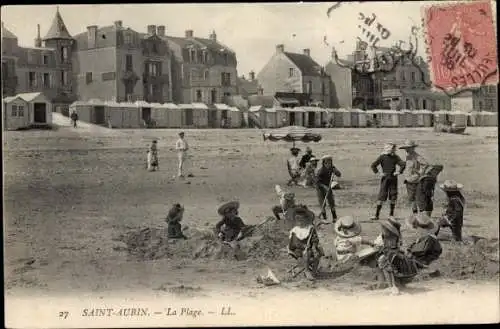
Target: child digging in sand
348 241
174 218
287 203
454 214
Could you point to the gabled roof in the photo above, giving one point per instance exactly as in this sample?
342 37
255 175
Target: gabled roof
6 34
251 87
58 29
28 97
12 98
306 64
266 101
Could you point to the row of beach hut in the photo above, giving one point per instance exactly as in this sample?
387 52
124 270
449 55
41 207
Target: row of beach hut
168 115
319 117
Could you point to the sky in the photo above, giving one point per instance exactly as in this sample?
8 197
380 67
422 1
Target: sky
251 30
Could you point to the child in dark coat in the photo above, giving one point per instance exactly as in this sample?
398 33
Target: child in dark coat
174 218
454 214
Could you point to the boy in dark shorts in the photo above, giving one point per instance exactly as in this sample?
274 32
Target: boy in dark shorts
388 160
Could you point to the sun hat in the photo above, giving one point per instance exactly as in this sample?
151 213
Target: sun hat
421 221
450 185
326 157
302 215
232 205
313 159
408 144
347 227
390 227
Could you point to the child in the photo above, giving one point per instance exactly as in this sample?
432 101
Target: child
388 161
396 266
348 241
303 241
287 202
293 165
426 249
324 179
153 157
174 218
230 227
454 214
309 172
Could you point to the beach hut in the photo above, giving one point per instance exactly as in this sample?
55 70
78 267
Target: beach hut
159 115
313 116
271 118
489 119
354 118
223 112
115 114
342 118
423 118
200 115
282 116
83 109
131 115
405 118
362 117
15 113
235 117
386 118
257 113
442 116
475 119
173 115
97 112
146 112
38 110
295 116
458 118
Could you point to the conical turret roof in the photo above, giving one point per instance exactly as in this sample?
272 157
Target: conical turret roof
58 29
6 34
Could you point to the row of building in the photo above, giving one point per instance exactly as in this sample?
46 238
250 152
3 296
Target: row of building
116 63
24 110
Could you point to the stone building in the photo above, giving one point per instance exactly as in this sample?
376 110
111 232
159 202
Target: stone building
293 73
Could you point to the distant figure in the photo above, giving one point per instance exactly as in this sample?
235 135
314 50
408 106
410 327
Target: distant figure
324 180
293 165
388 160
74 118
174 219
181 147
152 163
306 157
454 214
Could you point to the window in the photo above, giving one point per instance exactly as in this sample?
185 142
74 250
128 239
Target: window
32 79
108 76
205 57
480 105
64 54
416 103
309 87
407 104
213 96
290 72
199 96
45 60
128 63
46 80
14 111
88 77
403 77
225 79
323 89
205 75
127 38
413 76
153 69
20 111
424 104
64 78
227 94
226 59
192 55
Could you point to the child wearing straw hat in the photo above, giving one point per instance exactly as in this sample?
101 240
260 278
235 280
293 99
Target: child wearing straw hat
388 161
454 214
303 241
230 227
427 248
348 240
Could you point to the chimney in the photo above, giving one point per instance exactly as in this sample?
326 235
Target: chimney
118 24
152 29
92 35
189 33
307 52
213 36
280 48
161 30
251 75
38 40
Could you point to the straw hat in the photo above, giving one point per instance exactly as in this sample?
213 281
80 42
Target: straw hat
232 205
347 227
421 221
326 157
408 144
390 227
313 159
451 185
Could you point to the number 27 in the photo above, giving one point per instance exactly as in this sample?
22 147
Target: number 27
64 314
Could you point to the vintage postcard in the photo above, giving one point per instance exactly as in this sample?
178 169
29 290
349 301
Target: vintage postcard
248 164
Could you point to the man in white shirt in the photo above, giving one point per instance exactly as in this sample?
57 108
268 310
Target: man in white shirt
181 147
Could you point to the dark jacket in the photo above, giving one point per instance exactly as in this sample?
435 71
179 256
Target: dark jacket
74 116
305 159
426 249
455 209
235 224
388 162
324 175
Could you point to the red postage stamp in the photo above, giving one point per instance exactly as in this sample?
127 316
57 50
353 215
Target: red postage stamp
462 44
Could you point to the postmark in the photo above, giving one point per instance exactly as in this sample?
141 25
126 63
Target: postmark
462 45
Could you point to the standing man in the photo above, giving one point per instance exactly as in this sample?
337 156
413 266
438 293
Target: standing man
181 146
388 160
324 179
74 118
416 166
